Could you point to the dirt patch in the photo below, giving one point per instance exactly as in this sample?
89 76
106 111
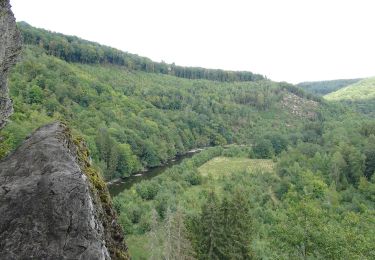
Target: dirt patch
299 106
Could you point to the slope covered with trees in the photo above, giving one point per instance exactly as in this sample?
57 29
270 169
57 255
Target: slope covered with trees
315 200
327 86
134 119
360 96
297 182
364 89
74 49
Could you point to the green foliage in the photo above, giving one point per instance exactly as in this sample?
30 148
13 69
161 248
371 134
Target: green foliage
360 96
17 130
73 49
279 142
193 178
314 199
238 151
364 89
325 87
35 95
147 190
263 148
316 204
369 153
223 230
132 119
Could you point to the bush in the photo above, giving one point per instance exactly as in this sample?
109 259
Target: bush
147 189
126 224
193 177
263 149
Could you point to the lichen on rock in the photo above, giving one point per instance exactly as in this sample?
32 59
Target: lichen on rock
10 47
53 205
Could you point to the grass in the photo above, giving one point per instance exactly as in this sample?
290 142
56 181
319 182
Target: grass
362 90
214 173
222 166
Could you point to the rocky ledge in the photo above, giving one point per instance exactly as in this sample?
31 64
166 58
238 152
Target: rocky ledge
10 47
53 205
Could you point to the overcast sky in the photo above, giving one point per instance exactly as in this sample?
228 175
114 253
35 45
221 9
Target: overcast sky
286 40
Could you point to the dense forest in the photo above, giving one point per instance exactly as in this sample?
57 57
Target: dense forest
284 174
360 96
133 119
73 49
327 86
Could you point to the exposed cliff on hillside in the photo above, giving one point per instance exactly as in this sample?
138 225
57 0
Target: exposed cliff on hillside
10 46
53 205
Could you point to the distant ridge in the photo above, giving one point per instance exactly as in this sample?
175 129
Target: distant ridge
361 90
74 49
360 96
326 86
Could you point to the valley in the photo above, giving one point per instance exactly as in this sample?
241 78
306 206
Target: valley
118 185
284 173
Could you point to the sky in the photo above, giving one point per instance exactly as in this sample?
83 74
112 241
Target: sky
286 40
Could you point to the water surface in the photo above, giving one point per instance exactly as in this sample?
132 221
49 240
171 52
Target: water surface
120 185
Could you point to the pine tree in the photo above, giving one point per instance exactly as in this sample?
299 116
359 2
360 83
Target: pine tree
154 237
224 230
206 230
177 245
238 230
337 166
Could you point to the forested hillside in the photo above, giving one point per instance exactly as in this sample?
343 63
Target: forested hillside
74 49
360 96
133 119
325 87
285 174
364 89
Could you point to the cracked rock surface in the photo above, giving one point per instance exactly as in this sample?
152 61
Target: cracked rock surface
48 207
10 47
53 205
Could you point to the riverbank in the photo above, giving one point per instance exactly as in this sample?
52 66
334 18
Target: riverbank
120 184
145 170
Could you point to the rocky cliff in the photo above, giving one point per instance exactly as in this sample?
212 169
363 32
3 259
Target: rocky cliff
10 46
53 205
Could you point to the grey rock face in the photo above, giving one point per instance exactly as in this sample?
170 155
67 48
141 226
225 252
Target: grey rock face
49 208
53 205
10 46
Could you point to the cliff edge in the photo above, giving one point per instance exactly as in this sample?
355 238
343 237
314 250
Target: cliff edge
10 47
53 205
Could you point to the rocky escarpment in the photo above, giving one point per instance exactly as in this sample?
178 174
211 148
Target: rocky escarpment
53 205
10 46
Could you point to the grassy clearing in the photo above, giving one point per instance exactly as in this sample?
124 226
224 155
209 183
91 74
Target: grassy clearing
215 173
223 166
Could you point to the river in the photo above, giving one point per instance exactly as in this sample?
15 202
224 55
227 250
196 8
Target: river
119 185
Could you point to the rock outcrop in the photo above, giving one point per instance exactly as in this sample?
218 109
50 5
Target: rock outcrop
10 47
53 205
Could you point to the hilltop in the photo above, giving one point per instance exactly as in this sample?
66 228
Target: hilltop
74 49
360 96
327 86
361 90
